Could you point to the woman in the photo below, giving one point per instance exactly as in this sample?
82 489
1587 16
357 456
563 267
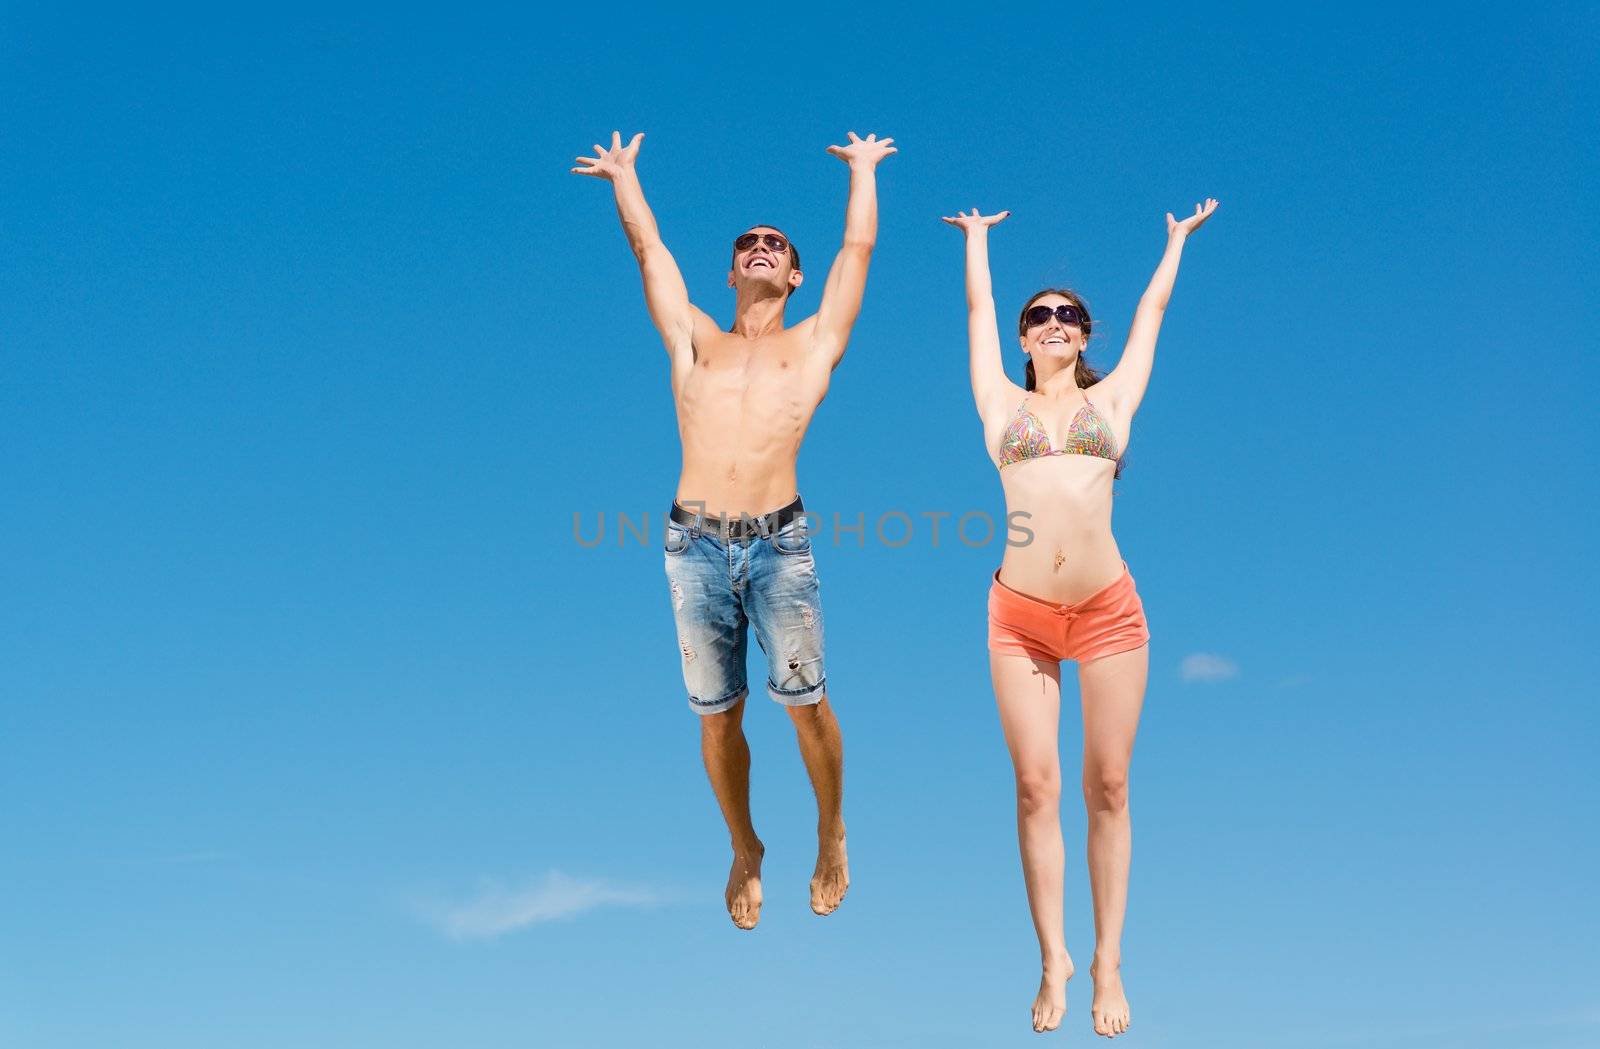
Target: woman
1067 593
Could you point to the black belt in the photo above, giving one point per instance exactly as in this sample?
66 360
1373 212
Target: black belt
741 527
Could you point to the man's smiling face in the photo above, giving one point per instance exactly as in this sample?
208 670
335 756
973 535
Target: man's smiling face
763 256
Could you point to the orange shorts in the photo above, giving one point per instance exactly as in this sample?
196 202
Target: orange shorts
1108 621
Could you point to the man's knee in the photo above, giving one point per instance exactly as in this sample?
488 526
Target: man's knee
810 716
724 724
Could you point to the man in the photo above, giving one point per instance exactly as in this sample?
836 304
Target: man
737 553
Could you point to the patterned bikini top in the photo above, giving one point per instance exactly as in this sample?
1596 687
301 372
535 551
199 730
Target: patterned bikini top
1088 434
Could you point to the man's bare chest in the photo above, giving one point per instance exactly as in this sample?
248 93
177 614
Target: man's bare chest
751 378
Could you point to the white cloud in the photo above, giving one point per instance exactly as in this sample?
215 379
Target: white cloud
1203 666
497 910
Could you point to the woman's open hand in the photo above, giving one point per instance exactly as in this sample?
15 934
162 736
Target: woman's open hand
967 223
1193 222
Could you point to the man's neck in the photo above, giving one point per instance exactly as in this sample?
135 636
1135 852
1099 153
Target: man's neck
758 316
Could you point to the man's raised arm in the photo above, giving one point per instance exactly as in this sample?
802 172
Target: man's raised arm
847 280
664 290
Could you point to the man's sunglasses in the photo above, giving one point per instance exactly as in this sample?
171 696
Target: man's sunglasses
775 241
1065 313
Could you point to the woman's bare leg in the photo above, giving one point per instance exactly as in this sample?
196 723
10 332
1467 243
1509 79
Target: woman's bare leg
1028 692
1113 693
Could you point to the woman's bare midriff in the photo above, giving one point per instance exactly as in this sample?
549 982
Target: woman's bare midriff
1072 553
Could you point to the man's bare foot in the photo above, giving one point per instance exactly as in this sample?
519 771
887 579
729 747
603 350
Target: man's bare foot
744 887
1051 1004
1110 1006
831 879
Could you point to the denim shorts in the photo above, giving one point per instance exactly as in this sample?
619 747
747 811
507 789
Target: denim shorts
719 586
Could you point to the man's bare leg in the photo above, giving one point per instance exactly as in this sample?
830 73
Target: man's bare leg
727 758
822 749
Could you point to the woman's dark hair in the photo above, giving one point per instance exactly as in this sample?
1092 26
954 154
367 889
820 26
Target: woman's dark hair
1083 375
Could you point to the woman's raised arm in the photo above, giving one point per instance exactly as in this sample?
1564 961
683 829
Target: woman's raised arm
1127 381
990 387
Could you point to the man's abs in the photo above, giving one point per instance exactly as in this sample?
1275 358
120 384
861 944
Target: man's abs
741 417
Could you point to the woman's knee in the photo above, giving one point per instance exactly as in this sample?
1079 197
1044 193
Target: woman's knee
1039 788
1105 789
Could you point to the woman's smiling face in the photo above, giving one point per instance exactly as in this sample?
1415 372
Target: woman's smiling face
1054 337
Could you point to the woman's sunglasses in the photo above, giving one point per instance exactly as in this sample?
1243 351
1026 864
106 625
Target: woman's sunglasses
1065 313
775 241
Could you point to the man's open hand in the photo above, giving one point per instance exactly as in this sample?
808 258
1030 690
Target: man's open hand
864 151
609 163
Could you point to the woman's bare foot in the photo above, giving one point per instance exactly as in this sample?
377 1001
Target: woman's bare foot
1051 1004
744 887
1110 1006
831 879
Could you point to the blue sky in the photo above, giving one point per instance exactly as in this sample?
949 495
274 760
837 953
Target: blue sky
319 729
